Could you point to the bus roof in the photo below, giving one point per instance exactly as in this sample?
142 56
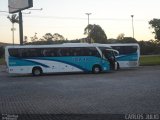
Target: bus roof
109 46
60 45
124 44
53 45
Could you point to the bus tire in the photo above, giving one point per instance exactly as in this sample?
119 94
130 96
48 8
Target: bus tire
37 71
96 69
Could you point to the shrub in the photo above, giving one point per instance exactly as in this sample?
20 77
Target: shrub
1 51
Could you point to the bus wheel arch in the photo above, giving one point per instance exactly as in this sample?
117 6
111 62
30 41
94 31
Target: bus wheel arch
96 69
37 71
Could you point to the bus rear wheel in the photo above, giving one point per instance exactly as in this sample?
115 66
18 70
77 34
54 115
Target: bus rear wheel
37 71
96 69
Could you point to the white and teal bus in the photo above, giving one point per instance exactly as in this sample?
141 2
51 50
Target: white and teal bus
129 54
69 57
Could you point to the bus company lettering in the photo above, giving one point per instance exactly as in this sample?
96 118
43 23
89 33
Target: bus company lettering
81 59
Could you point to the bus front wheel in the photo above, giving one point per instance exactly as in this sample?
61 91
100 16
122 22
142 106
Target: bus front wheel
96 69
37 71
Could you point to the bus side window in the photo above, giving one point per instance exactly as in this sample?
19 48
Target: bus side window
46 52
77 51
13 52
67 52
119 48
74 52
21 53
94 52
52 54
59 52
130 49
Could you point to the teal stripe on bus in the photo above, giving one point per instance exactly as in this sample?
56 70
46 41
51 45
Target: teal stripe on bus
23 62
128 57
84 63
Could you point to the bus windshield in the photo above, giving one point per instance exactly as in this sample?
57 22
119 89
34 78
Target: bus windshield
108 54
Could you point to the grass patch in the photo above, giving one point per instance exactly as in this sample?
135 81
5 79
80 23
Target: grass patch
150 60
2 61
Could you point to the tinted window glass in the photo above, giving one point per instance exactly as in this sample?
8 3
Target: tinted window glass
13 52
125 49
94 52
53 52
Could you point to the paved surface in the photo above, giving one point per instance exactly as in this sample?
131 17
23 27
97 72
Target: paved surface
124 91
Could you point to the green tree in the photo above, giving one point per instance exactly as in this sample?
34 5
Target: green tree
127 40
150 47
34 38
95 34
57 36
48 37
155 24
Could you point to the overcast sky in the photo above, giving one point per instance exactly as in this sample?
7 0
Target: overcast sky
68 18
